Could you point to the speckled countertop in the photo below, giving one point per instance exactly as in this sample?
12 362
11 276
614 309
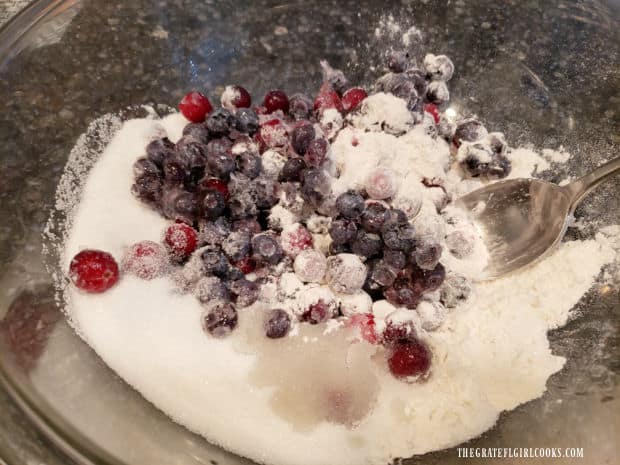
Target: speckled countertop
546 72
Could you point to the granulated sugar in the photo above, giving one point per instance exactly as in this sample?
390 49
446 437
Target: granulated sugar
273 401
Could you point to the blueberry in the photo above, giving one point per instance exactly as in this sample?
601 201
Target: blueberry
418 78
314 185
469 130
218 147
497 143
220 165
395 259
499 167
242 204
402 294
144 166
300 106
477 159
194 155
247 120
316 153
292 169
214 232
427 254
266 193
437 92
220 122
197 131
220 320
399 85
186 205
277 324
158 150
429 280
249 164
342 231
373 217
438 67
266 249
367 245
237 245
335 249
175 171
397 61
380 275
350 204
396 231
210 289
455 290
302 136
214 262
213 204
244 292
250 225
335 77
148 188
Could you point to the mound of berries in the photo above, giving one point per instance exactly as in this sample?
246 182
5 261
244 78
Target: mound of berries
247 190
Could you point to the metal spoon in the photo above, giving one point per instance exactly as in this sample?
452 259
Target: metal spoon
521 220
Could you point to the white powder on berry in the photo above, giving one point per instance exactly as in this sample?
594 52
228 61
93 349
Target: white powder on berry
151 335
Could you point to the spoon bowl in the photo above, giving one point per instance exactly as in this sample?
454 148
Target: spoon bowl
521 220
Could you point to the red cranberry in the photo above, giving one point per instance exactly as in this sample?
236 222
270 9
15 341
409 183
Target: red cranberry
327 98
398 333
317 313
246 265
146 259
366 324
181 240
215 184
93 271
409 359
352 98
195 107
276 100
273 133
433 110
240 97
295 239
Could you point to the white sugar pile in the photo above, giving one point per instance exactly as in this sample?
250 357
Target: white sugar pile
275 401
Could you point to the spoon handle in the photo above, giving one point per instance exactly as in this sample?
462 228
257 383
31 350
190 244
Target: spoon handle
578 189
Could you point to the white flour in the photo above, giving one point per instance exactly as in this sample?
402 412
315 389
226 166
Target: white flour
274 401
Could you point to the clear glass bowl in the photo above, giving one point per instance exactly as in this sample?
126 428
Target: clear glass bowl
545 72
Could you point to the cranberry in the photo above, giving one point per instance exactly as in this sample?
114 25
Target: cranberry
398 333
181 240
433 110
276 100
317 313
146 259
295 239
236 97
195 107
316 153
352 98
215 184
327 98
93 271
273 133
246 265
409 359
366 324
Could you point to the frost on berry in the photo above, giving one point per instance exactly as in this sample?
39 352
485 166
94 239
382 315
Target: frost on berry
146 259
316 304
381 184
310 266
354 304
294 239
346 273
432 314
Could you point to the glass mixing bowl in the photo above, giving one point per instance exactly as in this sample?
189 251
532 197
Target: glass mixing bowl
545 72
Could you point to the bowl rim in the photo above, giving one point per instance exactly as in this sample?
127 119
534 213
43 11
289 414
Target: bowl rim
37 410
